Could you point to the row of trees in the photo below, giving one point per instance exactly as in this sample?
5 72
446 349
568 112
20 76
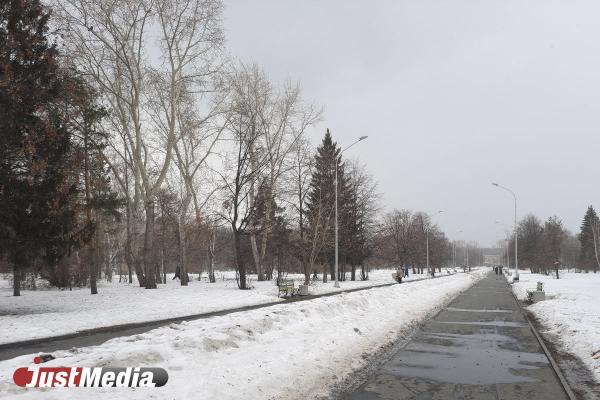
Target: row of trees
402 239
546 246
131 143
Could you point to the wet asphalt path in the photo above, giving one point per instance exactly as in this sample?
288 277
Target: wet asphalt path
479 347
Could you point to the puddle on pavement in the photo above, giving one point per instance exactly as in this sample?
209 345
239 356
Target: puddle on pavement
476 359
486 323
477 310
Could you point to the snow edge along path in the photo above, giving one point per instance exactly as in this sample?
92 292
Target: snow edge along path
295 350
51 314
566 318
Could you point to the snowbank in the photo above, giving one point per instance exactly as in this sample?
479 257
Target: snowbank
50 312
571 313
292 350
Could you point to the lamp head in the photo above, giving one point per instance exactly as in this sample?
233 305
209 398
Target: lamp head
495 184
362 138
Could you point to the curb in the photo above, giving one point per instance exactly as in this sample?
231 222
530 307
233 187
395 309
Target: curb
540 340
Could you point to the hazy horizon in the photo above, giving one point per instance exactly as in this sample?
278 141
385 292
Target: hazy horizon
453 95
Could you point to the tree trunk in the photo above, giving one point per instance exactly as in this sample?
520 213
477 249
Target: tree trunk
183 278
106 258
182 239
129 259
324 273
332 271
211 256
263 251
353 273
96 256
139 272
128 254
93 267
157 273
162 265
16 280
238 259
257 257
305 269
149 265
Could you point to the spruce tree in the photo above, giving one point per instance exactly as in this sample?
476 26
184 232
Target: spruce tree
38 191
587 257
321 201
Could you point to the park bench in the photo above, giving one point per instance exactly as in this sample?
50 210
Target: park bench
287 287
537 294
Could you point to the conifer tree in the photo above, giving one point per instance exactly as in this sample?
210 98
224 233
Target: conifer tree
321 204
38 192
589 240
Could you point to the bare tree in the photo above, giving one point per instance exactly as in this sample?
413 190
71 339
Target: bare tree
196 142
364 213
320 228
396 236
282 119
243 164
299 173
109 42
553 236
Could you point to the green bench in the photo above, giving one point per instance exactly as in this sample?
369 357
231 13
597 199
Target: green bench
287 287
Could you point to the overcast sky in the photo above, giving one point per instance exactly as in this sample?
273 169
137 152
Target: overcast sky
453 95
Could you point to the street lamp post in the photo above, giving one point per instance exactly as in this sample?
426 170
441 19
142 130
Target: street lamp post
507 254
454 249
516 277
337 283
427 245
454 252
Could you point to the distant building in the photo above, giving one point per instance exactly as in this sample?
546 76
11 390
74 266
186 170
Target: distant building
492 256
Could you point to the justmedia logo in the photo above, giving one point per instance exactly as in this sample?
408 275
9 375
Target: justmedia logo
89 377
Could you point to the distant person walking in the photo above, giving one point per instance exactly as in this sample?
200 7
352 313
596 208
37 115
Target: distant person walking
177 273
406 271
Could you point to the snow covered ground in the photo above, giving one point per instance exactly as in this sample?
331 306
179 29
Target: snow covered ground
292 350
570 313
50 312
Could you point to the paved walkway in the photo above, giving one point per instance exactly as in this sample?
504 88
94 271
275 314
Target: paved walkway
479 347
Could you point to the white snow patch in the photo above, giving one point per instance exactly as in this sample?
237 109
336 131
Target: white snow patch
50 312
571 312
